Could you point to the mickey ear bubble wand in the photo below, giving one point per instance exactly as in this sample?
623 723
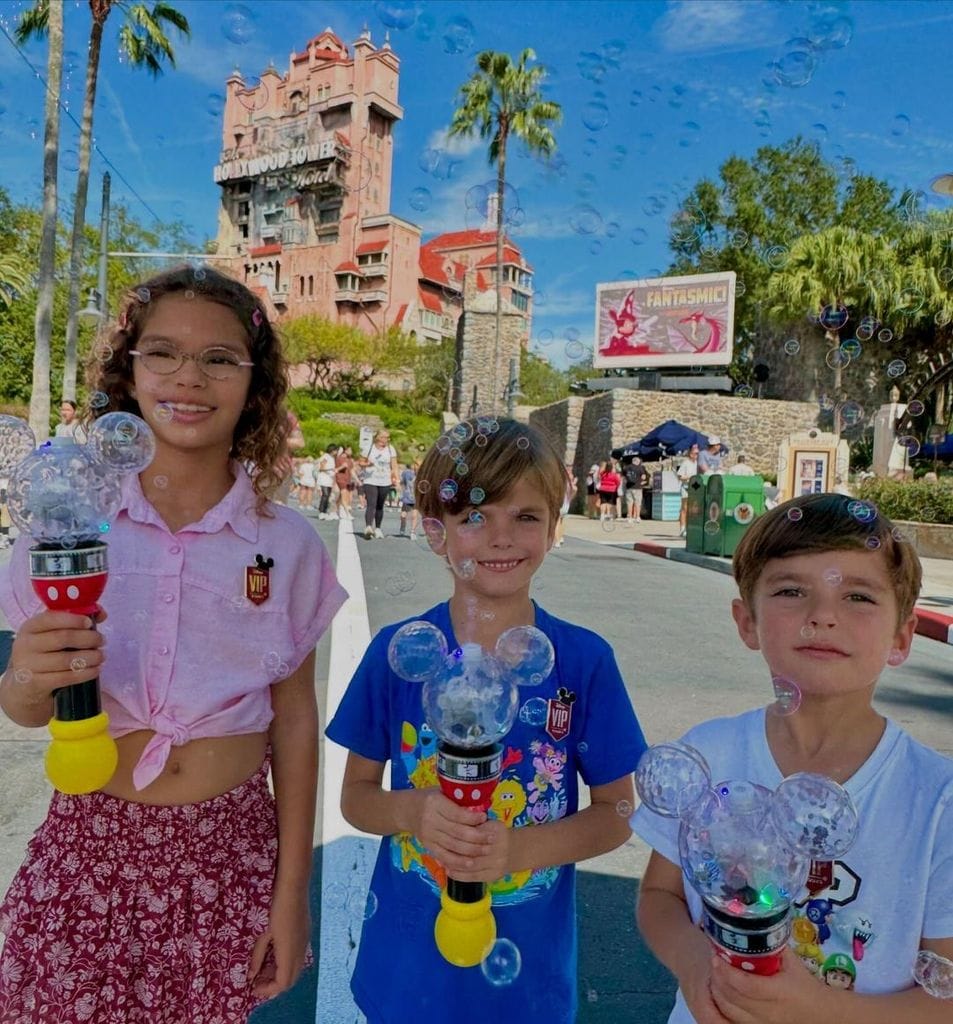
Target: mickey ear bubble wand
64 495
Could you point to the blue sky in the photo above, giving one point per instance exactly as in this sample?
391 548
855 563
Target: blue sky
655 95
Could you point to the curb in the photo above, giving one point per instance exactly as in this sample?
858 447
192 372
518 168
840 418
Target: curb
931 624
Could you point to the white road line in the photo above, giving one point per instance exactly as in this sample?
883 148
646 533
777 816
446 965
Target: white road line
350 635
347 855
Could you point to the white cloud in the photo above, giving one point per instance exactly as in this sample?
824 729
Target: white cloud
692 25
455 145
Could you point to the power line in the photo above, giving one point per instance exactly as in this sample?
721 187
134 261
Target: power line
66 111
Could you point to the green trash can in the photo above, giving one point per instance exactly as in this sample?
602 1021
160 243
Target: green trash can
696 514
732 504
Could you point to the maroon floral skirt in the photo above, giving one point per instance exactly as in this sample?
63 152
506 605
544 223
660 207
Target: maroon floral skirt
125 913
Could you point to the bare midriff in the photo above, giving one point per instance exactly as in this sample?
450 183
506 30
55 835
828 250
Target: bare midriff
197 770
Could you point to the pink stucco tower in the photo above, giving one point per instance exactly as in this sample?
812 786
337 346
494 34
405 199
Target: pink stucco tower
305 220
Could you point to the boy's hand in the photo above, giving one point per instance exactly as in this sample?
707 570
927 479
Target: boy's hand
54 649
449 832
493 860
791 996
694 979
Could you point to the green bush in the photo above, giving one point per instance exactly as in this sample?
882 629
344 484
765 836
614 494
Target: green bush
411 433
918 501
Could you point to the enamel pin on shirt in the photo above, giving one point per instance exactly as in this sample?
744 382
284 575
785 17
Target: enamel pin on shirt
559 718
258 579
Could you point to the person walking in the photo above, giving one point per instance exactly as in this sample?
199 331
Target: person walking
609 481
408 503
344 481
688 468
325 479
306 483
636 478
592 490
380 475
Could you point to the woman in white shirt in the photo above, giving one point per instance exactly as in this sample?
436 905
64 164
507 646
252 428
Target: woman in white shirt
380 475
326 479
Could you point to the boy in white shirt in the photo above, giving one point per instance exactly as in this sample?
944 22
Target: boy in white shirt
827 590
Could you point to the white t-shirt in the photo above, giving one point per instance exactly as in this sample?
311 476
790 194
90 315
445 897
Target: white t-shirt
895 884
687 469
378 473
306 473
326 470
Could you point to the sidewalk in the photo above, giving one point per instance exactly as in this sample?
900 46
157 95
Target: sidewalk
934 609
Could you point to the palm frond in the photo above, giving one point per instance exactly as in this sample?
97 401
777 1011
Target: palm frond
33 22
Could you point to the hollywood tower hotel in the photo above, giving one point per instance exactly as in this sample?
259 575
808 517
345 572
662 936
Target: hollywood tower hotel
305 217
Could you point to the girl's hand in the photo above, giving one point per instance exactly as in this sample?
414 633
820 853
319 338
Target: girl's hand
286 938
449 832
52 650
788 997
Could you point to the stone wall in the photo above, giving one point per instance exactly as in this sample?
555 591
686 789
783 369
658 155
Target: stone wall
482 371
587 429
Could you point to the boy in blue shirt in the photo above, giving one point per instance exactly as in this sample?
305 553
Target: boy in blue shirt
827 589
493 523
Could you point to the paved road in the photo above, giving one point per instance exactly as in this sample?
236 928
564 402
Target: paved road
676 645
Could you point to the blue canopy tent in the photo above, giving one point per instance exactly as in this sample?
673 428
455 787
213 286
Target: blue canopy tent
668 439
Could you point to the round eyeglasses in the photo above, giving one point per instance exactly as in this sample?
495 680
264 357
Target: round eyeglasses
217 362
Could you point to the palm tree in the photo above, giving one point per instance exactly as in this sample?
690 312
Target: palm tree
40 392
502 98
143 40
837 267
14 276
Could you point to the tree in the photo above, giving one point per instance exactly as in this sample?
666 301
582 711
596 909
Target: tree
343 361
540 381
502 98
143 41
749 220
435 368
40 392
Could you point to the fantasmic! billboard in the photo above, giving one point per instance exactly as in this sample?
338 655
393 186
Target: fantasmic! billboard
665 321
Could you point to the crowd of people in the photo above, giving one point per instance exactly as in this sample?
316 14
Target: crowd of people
179 890
329 484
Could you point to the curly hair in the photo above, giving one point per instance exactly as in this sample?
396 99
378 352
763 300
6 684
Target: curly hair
261 434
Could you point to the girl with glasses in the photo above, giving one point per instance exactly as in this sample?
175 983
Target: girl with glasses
179 891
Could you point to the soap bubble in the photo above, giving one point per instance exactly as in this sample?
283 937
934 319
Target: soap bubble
527 652
624 809
433 535
851 347
862 511
458 35
672 778
477 495
502 964
417 651
99 400
832 577
794 69
787 696
934 974
896 368
534 712
22 676
808 632
122 441
77 664
465 569
792 346
833 317
420 199
851 413
397 14
448 490
837 359
795 515
238 24
470 702
885 335
867 328
916 407
16 442
815 815
911 444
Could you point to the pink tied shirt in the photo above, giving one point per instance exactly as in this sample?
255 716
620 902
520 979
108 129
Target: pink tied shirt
187 654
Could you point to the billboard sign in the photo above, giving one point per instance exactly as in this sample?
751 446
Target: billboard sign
665 321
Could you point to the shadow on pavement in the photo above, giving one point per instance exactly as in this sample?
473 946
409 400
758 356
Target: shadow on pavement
619 979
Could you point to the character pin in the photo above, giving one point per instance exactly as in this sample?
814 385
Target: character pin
258 579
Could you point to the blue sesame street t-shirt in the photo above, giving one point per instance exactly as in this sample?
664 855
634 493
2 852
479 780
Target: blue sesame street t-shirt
580 721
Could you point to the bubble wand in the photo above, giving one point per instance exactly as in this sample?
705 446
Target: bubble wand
63 495
471 699
745 849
